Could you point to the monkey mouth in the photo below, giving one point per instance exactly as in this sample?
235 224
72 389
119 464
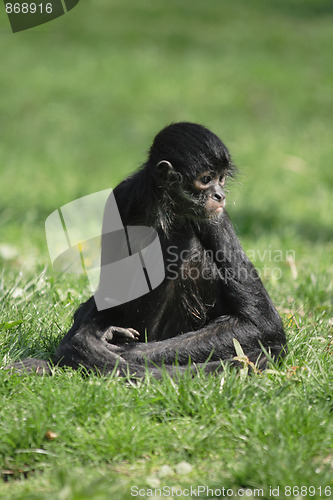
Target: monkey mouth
215 209
218 211
215 213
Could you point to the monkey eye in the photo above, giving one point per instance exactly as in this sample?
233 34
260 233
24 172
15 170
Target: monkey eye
206 179
222 179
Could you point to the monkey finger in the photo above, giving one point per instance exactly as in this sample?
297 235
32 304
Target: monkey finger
119 335
135 333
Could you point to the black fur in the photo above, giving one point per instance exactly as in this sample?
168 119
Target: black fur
209 297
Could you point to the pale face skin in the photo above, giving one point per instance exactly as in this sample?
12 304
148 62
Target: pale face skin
211 184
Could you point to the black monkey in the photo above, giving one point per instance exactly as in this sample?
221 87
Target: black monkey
211 294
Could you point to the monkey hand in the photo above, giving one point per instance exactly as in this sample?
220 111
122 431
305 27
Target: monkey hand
118 335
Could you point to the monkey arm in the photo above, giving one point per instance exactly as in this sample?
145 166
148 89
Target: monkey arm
214 342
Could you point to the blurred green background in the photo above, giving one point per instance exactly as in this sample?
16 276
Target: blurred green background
83 96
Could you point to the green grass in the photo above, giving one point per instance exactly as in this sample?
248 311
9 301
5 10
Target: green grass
81 99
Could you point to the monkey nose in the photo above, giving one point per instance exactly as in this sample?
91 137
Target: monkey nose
219 196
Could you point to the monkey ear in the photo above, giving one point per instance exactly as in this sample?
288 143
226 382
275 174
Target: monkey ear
164 171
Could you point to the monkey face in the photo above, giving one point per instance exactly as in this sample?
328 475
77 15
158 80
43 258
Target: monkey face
210 188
